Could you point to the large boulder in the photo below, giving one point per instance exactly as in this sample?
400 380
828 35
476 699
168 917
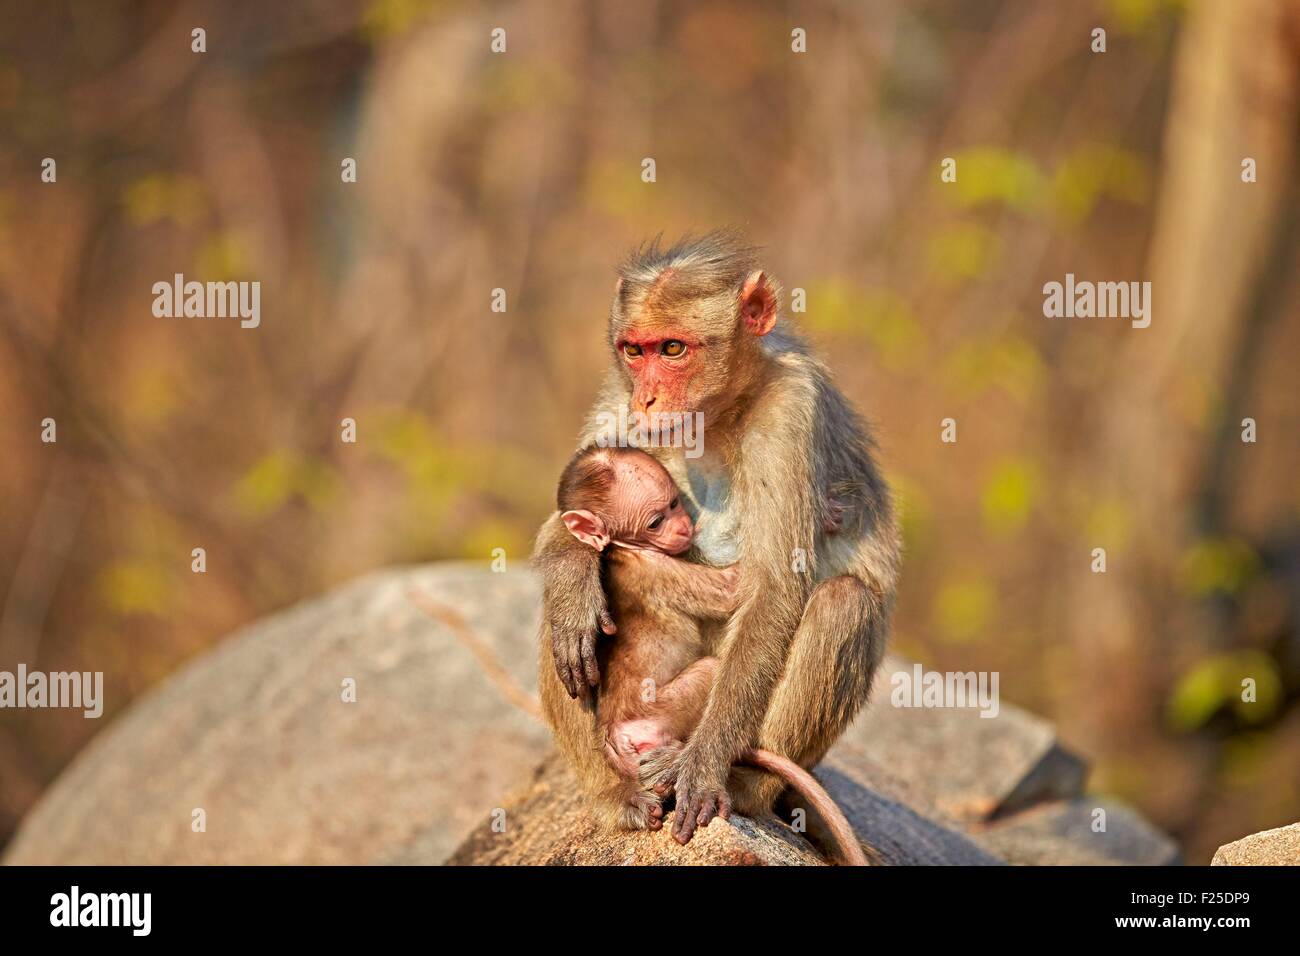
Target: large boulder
441 744
257 734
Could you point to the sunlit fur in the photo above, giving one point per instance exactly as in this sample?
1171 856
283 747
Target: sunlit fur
797 658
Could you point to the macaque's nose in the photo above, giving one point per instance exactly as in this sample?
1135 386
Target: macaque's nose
648 402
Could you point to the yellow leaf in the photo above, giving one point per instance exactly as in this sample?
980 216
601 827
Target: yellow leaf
1009 495
994 176
962 609
135 587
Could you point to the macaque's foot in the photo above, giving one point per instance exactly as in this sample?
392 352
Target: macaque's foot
658 769
644 811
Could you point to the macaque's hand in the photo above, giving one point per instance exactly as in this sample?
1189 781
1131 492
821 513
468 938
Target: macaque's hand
699 785
574 634
833 516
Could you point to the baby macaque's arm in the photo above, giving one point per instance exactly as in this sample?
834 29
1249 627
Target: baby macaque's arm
697 589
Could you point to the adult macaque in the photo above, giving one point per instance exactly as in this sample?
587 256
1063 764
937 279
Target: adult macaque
693 329
655 677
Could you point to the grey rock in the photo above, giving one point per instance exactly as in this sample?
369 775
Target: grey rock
257 735
1061 833
970 767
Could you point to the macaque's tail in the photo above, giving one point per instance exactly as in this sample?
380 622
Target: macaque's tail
808 787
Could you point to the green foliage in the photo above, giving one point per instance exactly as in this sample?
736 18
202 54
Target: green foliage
136 586
1008 495
164 196
1010 362
384 19
1110 521
1095 171
283 476
878 316
961 251
993 176
1218 566
963 608
1216 682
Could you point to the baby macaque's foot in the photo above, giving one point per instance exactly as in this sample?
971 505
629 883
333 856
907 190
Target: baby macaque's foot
644 811
627 740
658 768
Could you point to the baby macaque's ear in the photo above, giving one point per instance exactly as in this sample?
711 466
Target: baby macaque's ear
587 528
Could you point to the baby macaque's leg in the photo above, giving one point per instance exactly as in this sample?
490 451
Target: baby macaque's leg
686 694
668 721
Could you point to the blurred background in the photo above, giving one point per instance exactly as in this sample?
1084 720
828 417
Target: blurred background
522 171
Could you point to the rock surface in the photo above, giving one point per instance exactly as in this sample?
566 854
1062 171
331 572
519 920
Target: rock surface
1280 847
258 735
544 826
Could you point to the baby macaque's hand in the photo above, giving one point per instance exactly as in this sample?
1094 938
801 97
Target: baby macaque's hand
730 578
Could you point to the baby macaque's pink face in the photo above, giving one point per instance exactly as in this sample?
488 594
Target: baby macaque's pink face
647 507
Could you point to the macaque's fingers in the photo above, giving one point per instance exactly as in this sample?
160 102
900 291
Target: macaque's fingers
607 623
708 810
590 673
563 670
724 805
684 822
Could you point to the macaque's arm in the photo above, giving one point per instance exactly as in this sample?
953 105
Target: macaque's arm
573 604
775 488
699 590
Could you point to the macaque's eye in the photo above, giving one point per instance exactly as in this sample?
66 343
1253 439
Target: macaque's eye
674 502
631 351
655 522
673 348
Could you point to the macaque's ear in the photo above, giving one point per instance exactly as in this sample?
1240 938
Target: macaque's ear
758 304
618 287
587 528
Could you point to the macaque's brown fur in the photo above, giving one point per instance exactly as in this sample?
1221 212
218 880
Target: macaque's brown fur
795 661
654 678
655 669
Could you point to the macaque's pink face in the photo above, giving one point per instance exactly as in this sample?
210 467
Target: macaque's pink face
648 508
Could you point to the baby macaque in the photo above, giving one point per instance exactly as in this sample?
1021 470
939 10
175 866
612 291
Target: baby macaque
656 672
655 675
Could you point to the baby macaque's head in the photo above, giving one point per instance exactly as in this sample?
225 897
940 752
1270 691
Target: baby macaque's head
624 496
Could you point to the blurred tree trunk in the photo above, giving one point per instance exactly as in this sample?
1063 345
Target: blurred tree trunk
1214 267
